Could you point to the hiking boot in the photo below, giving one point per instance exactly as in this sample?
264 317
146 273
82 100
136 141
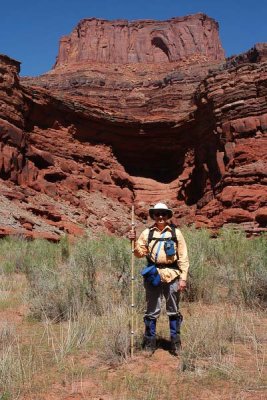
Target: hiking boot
175 345
175 324
150 344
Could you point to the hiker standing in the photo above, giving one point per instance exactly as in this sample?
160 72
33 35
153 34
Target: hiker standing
165 274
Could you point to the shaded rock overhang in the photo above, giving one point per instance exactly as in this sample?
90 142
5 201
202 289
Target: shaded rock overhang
189 130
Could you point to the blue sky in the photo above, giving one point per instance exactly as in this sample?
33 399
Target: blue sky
30 29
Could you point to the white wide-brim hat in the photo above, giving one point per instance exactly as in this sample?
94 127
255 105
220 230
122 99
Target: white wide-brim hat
160 207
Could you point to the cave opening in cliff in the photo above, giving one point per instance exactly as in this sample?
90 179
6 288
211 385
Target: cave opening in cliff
159 164
158 43
5 175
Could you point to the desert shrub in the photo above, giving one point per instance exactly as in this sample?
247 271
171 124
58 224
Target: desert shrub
58 290
114 330
95 275
18 364
83 265
230 261
41 252
7 333
107 266
203 276
64 246
21 255
211 337
62 291
207 336
242 266
69 336
115 274
49 293
253 277
13 251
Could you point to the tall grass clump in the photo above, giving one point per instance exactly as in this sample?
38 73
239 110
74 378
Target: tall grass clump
242 266
61 289
104 267
42 252
20 255
203 280
115 334
94 280
50 293
114 255
69 336
13 253
18 363
207 336
229 267
95 274
212 337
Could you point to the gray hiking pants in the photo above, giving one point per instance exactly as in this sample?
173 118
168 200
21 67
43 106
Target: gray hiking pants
154 297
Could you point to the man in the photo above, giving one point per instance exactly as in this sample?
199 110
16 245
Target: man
164 246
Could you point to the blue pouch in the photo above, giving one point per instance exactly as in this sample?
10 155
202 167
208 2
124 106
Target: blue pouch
151 275
169 247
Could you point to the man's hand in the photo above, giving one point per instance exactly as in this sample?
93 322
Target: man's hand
182 285
132 235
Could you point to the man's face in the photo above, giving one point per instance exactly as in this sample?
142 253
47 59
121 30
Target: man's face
161 217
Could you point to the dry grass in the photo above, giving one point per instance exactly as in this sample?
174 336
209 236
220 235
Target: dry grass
76 332
67 337
18 365
114 330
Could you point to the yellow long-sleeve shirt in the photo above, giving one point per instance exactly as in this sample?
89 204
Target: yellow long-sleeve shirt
142 249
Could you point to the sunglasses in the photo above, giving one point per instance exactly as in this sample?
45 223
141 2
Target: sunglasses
160 213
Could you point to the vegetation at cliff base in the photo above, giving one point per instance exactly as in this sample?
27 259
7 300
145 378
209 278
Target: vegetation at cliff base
75 301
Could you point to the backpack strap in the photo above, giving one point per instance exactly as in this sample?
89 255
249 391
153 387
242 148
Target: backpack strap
150 235
159 246
149 239
162 239
174 236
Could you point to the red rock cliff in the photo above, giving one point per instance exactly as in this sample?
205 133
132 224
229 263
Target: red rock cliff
124 42
84 141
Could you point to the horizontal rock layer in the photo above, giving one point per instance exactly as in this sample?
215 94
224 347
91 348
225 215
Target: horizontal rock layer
123 42
79 145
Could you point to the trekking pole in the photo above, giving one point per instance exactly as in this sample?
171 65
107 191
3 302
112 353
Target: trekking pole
132 288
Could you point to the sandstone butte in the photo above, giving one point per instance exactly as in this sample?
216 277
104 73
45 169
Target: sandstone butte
135 113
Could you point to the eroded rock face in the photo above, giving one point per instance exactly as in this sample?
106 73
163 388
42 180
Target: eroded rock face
11 101
82 143
236 99
124 42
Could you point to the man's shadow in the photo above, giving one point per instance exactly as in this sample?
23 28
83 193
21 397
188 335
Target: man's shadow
163 344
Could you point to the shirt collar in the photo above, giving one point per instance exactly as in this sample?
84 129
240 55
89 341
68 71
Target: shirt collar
167 228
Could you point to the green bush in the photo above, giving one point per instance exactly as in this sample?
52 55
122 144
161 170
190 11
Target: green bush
95 273
115 334
13 252
242 266
232 262
21 255
208 335
203 280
